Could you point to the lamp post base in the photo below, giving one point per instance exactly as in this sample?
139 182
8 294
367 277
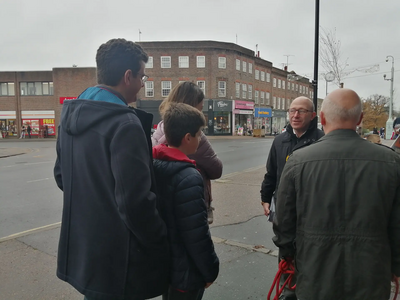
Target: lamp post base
389 129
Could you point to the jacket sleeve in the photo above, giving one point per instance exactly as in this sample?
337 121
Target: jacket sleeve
191 220
158 136
285 220
268 185
130 164
57 166
207 160
394 229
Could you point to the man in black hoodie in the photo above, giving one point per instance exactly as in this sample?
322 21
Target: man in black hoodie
113 242
301 132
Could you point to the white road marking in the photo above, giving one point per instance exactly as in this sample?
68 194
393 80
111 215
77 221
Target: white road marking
37 180
30 231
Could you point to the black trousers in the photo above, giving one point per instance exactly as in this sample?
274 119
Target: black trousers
173 294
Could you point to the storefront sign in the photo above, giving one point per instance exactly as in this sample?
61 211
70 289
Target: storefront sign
244 104
8 115
37 114
279 114
62 99
223 105
261 112
242 112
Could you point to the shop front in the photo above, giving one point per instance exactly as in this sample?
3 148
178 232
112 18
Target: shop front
41 122
279 118
263 118
218 114
243 117
8 126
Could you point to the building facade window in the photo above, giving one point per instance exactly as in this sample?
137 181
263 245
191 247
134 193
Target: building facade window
279 84
7 89
292 86
250 91
274 82
256 93
149 88
237 88
262 76
262 97
274 102
250 68
287 103
36 88
244 91
201 61
202 86
268 77
257 74
165 88
149 64
297 87
183 61
222 62
221 88
244 66
165 62
237 64
268 98
283 84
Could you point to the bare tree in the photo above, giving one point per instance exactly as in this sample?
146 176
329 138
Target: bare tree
330 55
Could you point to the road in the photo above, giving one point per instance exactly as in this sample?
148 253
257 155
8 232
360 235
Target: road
30 199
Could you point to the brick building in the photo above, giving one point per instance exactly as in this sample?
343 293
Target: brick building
244 89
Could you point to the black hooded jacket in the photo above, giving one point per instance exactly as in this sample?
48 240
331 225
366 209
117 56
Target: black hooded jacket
283 145
113 242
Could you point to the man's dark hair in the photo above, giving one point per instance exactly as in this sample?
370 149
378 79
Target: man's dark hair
180 119
115 57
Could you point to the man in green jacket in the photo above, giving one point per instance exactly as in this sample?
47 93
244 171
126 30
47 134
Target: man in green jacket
338 212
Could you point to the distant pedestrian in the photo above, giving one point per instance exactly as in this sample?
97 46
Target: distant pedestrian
338 210
195 264
23 132
29 130
113 241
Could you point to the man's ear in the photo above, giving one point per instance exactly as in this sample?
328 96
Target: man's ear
313 115
322 117
361 117
128 77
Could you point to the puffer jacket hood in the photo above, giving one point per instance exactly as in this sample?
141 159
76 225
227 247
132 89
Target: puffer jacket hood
80 115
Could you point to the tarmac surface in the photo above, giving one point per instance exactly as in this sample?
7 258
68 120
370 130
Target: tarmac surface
241 233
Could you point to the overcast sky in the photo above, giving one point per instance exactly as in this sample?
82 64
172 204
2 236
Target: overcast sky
40 35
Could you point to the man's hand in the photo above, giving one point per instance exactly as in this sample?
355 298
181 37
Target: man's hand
208 284
266 208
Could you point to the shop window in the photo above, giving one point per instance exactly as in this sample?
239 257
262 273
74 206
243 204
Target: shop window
149 64
221 88
165 88
36 88
149 88
7 89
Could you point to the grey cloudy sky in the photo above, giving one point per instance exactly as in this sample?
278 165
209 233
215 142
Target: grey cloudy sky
40 35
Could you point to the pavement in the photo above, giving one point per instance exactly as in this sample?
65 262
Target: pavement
241 233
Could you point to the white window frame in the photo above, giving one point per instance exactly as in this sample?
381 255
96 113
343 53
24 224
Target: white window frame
165 88
149 89
274 102
292 86
262 97
279 84
284 84
221 88
268 77
202 86
237 64
244 90
201 61
262 76
250 68
274 82
267 94
257 74
279 102
237 89
250 88
165 62
183 62
244 65
256 95
149 64
297 87
222 62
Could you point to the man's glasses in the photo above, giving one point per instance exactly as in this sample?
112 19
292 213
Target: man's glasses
144 78
301 111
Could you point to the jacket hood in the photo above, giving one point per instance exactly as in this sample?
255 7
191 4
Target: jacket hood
163 152
80 115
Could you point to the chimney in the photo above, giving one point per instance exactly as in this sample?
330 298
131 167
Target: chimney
258 53
285 68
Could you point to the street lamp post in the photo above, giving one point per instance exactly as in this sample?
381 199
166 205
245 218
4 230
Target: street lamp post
389 122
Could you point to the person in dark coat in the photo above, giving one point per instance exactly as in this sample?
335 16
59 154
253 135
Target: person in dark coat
338 212
207 161
29 130
113 242
301 131
195 264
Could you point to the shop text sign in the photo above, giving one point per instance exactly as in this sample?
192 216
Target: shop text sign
244 104
262 112
62 99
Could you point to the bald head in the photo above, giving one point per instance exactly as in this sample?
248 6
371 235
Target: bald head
306 102
341 109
